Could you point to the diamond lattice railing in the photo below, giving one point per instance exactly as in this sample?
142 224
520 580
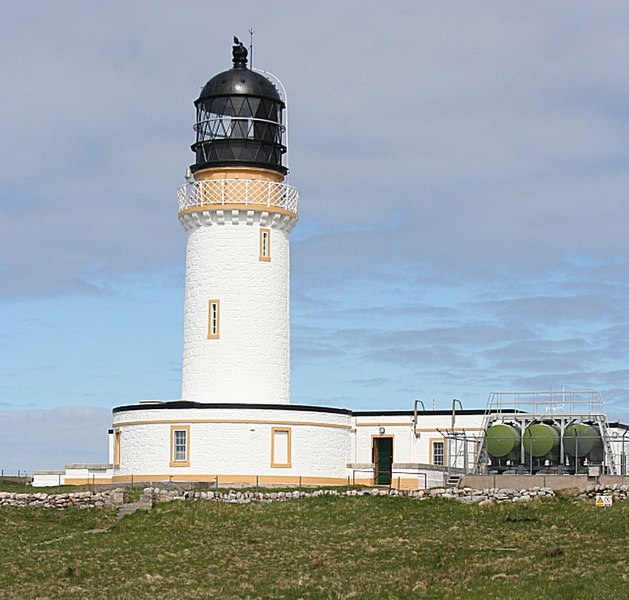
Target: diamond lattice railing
212 192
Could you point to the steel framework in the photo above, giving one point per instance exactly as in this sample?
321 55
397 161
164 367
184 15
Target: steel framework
562 408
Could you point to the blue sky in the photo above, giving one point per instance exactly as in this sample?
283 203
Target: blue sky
463 169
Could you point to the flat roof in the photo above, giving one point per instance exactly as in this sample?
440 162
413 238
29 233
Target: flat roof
184 404
618 425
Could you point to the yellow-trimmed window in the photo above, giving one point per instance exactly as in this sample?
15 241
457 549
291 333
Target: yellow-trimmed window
265 244
438 452
214 320
117 448
180 445
281 447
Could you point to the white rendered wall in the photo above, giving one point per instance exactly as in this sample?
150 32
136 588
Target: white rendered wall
48 478
250 362
407 447
620 447
233 442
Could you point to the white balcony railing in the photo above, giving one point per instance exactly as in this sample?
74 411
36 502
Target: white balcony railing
213 192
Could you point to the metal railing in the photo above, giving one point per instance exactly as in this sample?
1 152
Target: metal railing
10 474
250 192
551 403
394 476
18 477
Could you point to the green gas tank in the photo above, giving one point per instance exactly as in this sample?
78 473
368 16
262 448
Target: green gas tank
541 440
579 439
503 441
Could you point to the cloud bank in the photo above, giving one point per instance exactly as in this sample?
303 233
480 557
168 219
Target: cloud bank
463 170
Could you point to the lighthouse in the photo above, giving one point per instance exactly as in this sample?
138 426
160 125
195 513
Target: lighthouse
235 423
238 212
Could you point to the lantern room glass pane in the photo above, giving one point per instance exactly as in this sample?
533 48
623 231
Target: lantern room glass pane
239 130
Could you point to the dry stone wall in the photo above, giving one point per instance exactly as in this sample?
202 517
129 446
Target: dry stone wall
118 497
106 499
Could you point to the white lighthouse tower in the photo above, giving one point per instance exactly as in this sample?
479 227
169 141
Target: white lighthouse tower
238 214
235 422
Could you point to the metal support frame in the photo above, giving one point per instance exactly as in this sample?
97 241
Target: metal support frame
562 408
458 447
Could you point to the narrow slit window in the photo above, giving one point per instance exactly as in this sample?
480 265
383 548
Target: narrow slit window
214 320
117 448
265 244
180 446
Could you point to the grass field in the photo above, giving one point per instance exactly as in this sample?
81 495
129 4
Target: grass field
326 547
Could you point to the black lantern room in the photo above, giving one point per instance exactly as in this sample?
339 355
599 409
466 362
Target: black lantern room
239 119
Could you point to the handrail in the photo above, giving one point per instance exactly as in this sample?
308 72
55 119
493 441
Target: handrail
376 472
250 192
455 401
415 414
203 125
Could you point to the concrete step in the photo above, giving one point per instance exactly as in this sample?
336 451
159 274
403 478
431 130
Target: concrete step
454 480
129 509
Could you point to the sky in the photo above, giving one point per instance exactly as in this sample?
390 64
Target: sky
464 175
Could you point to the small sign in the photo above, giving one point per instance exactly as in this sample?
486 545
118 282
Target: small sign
604 501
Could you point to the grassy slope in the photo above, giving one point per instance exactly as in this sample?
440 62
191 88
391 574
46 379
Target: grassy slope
326 547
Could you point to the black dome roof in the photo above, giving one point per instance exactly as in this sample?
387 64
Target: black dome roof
239 80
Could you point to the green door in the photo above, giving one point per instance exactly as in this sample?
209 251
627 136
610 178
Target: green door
383 459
